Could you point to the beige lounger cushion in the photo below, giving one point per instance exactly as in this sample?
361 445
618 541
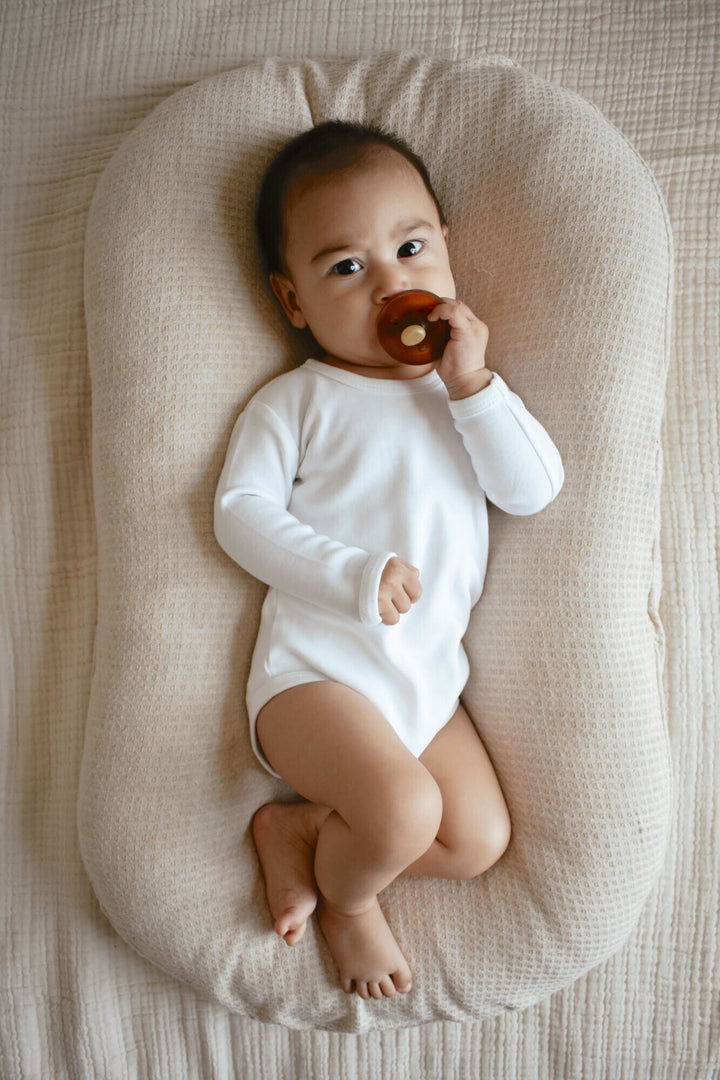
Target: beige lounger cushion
560 242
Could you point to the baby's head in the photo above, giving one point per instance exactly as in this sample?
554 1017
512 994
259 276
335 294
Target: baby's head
347 217
325 149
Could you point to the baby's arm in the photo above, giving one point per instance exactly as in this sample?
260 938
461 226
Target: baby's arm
254 527
515 460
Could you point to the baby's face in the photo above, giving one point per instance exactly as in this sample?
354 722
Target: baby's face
353 240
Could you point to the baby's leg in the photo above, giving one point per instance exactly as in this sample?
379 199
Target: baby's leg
338 751
473 834
475 827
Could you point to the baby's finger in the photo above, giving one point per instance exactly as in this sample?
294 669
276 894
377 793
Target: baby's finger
460 317
453 311
412 586
389 615
402 602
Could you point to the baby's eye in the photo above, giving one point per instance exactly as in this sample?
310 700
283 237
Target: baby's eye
410 248
346 267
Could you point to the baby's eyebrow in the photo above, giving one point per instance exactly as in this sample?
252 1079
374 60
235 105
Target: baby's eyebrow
331 249
415 223
402 229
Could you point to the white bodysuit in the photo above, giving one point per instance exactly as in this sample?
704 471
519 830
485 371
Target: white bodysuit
329 474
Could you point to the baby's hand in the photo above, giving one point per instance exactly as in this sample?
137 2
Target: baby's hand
399 589
462 367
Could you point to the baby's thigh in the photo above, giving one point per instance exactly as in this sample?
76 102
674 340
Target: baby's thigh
474 809
335 748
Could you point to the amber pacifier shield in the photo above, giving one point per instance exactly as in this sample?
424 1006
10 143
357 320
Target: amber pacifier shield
405 332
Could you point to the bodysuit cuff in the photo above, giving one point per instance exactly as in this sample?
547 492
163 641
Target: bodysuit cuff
488 398
370 587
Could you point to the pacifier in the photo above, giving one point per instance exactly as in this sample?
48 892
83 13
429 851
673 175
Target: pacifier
404 331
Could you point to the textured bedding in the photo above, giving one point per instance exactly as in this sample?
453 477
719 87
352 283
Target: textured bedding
77 1001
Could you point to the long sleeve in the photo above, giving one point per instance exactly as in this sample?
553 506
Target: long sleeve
255 528
515 460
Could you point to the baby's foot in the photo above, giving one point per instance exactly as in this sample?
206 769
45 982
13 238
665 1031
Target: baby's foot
285 837
366 953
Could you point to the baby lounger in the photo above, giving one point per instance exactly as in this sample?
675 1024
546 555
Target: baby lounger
560 242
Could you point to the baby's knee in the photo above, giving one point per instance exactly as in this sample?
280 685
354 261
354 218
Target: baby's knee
485 848
406 819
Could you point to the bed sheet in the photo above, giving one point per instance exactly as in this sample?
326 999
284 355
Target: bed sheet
74 1000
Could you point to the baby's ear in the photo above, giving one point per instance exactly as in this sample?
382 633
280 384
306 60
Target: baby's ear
285 292
445 232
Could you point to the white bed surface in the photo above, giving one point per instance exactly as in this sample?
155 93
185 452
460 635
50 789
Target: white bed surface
76 78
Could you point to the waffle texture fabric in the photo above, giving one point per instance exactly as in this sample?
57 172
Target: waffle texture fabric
561 244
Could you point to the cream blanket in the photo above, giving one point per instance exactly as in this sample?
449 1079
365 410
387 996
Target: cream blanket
76 1002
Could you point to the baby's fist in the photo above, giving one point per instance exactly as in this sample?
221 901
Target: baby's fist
399 589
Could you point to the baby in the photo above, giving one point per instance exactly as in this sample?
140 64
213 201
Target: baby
355 487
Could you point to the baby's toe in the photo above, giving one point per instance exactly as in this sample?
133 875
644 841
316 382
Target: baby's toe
294 936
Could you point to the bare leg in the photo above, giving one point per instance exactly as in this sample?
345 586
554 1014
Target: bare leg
338 751
473 834
475 827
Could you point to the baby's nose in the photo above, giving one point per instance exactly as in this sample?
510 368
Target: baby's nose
389 280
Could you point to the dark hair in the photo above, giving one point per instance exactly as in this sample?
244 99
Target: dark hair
331 145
